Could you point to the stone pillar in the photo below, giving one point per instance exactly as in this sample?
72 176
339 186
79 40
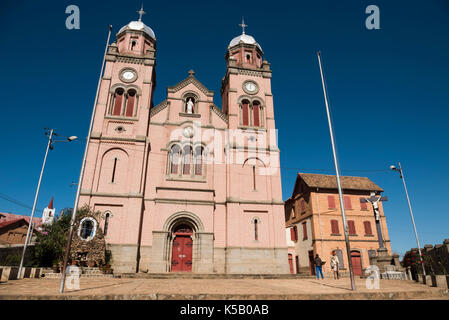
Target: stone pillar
204 255
409 273
159 252
383 259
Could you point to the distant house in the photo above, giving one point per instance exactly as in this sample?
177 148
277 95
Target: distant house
13 228
314 221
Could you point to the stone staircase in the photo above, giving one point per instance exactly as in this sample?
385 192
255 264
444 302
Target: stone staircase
190 275
86 272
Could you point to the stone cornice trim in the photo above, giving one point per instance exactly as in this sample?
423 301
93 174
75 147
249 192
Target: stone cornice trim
123 119
185 189
136 139
240 201
218 112
181 201
190 80
161 106
110 195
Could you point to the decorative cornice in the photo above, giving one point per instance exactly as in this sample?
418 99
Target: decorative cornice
190 80
161 106
185 189
110 195
218 112
136 139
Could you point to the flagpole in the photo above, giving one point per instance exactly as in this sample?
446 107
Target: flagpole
337 170
80 180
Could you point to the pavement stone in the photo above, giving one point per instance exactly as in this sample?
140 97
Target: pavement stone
217 289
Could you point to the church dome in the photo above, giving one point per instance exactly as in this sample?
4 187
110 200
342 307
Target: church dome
245 39
139 26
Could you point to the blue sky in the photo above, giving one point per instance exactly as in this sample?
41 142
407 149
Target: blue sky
388 90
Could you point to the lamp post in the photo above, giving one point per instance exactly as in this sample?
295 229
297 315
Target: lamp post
401 175
50 133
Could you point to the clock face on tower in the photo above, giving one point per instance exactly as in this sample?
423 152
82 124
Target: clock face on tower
128 75
250 87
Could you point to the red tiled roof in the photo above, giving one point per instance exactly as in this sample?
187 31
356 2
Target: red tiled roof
16 217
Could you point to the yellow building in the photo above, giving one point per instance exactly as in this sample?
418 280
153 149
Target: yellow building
313 215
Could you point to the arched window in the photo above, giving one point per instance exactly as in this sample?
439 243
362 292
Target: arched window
130 103
106 223
88 227
187 159
118 101
174 159
199 151
245 113
256 114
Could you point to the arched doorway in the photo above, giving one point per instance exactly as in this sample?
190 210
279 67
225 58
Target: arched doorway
356 263
182 248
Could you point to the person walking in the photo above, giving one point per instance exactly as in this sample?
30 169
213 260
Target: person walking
335 265
318 267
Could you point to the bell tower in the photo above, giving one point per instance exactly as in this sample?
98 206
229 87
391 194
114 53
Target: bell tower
114 178
254 205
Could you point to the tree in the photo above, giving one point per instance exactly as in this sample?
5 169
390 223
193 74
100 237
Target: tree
52 241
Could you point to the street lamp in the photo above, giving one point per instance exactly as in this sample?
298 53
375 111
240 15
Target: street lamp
401 174
50 133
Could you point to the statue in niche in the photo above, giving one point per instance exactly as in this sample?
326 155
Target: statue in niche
189 105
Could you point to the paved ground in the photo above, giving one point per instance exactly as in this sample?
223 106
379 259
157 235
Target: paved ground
193 289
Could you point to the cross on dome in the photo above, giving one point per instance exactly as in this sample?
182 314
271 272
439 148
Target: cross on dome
243 25
141 12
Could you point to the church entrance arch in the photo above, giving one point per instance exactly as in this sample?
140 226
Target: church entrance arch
182 248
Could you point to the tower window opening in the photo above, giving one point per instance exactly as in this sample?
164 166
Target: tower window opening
118 100
133 44
256 114
245 112
130 103
256 231
113 170
106 223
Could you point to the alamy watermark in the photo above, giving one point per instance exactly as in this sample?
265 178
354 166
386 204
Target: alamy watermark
373 20
73 274
373 279
73 20
254 147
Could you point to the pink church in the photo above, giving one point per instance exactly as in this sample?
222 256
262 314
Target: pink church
184 185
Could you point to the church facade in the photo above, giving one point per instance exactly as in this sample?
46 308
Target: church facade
183 185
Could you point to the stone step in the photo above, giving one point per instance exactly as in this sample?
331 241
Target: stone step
51 275
189 275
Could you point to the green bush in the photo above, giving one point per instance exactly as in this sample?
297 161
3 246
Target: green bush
12 260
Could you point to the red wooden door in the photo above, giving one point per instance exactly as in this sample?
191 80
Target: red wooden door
290 262
181 260
356 263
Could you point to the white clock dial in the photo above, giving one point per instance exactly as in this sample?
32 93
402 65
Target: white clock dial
250 87
128 75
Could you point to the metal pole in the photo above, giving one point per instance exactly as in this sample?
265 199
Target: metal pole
34 206
80 180
413 220
337 170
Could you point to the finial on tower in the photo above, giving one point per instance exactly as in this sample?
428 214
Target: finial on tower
191 73
141 12
243 25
